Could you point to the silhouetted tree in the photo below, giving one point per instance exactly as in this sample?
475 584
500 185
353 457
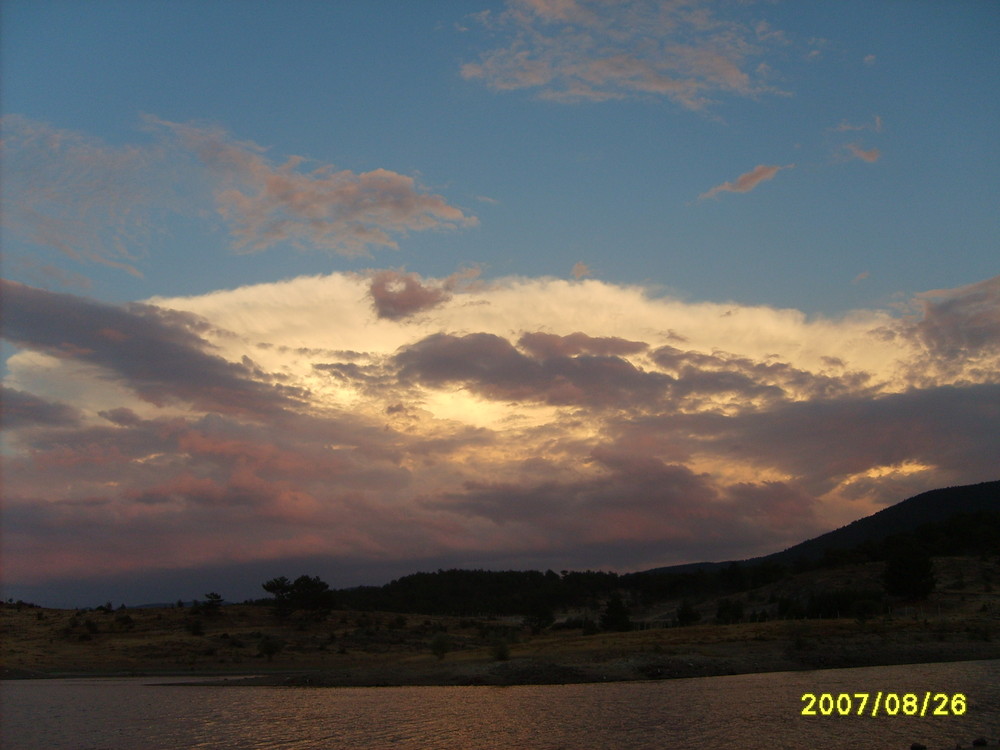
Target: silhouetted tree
213 603
687 614
909 571
616 615
269 645
729 611
440 645
305 593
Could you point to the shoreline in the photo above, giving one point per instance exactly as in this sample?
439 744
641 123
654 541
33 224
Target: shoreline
732 658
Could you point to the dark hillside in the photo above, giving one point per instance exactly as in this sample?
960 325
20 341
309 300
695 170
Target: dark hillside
904 517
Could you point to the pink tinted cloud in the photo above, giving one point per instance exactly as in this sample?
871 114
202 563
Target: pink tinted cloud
87 200
871 155
746 181
339 210
609 481
397 295
158 353
587 50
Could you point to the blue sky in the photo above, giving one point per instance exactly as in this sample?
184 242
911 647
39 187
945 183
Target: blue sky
634 171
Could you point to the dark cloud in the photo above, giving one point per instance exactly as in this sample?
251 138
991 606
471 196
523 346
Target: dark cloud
639 502
492 367
156 352
548 345
397 295
962 324
21 409
698 373
823 443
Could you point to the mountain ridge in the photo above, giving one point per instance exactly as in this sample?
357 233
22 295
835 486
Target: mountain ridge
902 517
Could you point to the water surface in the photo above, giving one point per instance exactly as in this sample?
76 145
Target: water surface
753 712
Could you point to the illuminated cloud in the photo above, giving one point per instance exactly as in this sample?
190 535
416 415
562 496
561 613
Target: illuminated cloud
581 50
158 353
747 181
520 421
265 204
101 204
871 155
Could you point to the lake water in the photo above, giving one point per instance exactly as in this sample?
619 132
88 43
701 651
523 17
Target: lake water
746 711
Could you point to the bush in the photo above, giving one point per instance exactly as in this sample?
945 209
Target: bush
499 650
269 646
687 614
440 645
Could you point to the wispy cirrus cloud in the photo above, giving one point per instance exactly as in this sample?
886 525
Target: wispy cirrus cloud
264 203
581 50
746 181
88 200
871 155
99 203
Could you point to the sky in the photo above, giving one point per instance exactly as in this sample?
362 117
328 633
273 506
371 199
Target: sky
356 289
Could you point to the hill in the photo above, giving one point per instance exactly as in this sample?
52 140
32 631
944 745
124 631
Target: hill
907 516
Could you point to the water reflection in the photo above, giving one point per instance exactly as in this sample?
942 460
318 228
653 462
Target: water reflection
749 711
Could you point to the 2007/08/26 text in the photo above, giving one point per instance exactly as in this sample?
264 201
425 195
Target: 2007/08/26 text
885 704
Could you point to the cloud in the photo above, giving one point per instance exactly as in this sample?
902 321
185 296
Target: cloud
157 353
89 201
519 422
398 295
875 125
746 181
959 330
98 203
22 409
871 155
492 367
265 204
581 269
580 50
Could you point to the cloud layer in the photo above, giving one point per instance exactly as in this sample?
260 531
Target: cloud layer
582 50
98 203
386 418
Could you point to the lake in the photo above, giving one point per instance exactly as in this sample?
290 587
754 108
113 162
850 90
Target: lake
746 711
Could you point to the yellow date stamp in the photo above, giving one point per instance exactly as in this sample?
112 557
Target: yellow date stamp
884 704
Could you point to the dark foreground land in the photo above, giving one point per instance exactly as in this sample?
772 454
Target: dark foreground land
959 621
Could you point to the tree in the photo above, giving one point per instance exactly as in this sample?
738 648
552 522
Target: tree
499 650
909 571
729 611
687 614
305 593
616 616
440 645
269 645
213 603
539 617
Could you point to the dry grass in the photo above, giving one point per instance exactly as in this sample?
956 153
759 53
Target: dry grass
961 620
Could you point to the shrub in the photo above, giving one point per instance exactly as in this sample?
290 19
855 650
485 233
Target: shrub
269 646
499 650
440 645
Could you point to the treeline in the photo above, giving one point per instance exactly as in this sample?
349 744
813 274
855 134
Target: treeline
536 595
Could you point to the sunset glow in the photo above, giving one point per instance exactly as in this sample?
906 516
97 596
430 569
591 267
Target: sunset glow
454 305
